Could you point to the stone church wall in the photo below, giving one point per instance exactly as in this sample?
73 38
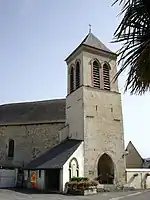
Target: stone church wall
74 114
103 131
30 141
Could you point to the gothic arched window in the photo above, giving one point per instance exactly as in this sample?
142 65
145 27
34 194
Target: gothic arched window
71 79
77 75
106 76
11 146
73 168
96 74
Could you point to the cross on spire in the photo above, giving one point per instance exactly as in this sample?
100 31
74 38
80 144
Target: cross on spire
90 28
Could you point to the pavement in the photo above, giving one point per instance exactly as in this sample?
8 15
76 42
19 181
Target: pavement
22 195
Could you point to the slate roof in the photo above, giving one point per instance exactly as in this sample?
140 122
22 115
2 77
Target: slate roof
39 111
92 41
55 157
131 144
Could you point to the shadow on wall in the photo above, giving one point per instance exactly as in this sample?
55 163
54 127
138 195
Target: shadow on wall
139 179
132 179
144 181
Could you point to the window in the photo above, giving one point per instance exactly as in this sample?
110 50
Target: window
96 74
71 79
73 168
70 174
11 149
106 76
28 173
77 75
39 173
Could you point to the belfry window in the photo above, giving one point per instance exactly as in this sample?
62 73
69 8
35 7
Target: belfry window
96 74
71 79
106 76
77 75
11 149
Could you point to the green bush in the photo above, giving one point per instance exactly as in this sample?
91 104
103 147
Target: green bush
78 179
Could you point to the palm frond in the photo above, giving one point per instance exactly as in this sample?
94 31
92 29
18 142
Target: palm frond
134 55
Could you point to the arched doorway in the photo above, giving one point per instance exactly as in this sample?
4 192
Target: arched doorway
105 169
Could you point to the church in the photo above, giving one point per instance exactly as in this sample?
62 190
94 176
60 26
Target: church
78 136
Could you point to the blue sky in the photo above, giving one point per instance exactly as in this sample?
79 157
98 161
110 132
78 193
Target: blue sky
35 38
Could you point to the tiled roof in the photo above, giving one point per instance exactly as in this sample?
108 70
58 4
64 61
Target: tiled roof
55 157
92 41
39 111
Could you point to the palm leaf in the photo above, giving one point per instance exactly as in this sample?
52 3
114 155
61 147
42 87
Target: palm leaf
134 55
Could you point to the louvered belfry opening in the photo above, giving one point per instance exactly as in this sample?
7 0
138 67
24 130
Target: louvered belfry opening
96 74
71 79
106 77
77 75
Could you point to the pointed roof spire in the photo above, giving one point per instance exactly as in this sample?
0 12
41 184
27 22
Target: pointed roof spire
92 41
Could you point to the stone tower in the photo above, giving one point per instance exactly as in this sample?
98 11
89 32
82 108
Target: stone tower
94 111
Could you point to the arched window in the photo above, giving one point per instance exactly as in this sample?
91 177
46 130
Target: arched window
77 75
96 74
11 149
73 168
106 76
71 79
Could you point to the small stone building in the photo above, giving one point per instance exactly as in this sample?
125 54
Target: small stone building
81 135
137 169
133 158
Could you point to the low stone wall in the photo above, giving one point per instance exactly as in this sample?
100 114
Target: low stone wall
138 178
84 192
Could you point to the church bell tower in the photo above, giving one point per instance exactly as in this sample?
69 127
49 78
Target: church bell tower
94 111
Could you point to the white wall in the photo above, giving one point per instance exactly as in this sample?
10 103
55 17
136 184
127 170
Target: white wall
8 178
141 181
61 180
40 182
78 154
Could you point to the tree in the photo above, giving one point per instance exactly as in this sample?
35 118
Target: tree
134 35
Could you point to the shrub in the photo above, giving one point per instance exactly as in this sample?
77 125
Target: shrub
94 183
78 179
81 184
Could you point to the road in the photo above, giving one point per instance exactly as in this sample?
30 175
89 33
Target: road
19 195
133 196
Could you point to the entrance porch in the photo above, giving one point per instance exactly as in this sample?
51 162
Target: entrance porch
56 167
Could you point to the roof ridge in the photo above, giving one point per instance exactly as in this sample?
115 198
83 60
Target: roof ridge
38 101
